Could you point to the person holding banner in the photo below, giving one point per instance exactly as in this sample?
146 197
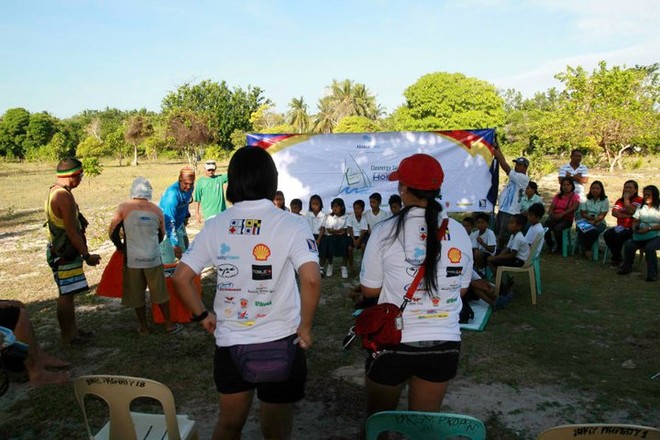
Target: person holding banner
511 195
427 357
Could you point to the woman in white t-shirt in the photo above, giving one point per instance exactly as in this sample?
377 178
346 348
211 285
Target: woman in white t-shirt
427 357
256 249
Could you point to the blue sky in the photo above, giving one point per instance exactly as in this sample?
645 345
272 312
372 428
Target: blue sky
66 56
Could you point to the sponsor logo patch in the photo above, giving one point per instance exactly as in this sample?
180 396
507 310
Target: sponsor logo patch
311 245
245 226
223 253
454 255
454 271
261 252
226 270
262 272
244 303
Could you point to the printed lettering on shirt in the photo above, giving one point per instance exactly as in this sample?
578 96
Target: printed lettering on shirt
420 288
262 272
261 315
224 251
263 303
454 271
452 300
261 252
454 255
261 290
245 226
229 299
311 245
227 287
418 256
226 270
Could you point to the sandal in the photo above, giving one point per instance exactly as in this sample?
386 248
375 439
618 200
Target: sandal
175 329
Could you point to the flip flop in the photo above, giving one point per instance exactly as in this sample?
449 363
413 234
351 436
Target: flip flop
175 329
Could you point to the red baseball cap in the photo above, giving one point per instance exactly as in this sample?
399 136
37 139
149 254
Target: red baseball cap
419 171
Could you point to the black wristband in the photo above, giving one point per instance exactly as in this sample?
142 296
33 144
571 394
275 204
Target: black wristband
85 256
201 317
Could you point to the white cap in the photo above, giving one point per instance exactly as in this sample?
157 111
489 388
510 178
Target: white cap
141 189
209 165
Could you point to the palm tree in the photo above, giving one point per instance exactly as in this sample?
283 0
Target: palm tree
298 117
324 121
345 98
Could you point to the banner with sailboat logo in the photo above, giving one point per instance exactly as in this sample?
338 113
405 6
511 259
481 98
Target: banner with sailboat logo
354 165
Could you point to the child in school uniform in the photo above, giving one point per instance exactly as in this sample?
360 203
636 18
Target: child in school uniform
483 239
534 215
514 254
296 206
315 217
334 241
357 228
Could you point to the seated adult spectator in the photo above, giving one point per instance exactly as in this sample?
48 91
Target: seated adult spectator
623 211
483 239
531 197
14 317
561 213
646 234
576 172
592 217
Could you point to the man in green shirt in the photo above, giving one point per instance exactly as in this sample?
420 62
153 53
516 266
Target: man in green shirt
210 193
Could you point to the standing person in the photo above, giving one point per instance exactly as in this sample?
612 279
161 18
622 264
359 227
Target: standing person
577 172
209 193
357 228
646 234
427 357
334 240
67 247
279 200
255 248
315 217
561 213
623 211
509 201
592 217
295 206
175 205
144 228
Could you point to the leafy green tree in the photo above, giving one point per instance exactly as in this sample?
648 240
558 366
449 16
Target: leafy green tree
138 128
324 121
224 110
91 147
448 101
344 98
92 166
40 130
266 120
116 143
13 131
356 124
298 117
57 149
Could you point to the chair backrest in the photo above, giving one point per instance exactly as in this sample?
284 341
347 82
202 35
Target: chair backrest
118 392
534 251
600 431
425 425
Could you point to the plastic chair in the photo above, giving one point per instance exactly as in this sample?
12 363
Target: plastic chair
425 425
567 246
118 392
604 431
532 266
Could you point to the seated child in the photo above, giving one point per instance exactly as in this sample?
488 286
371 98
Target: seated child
395 204
534 215
517 249
468 224
296 206
483 239
357 227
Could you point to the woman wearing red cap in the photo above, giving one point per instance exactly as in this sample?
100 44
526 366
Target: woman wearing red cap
427 356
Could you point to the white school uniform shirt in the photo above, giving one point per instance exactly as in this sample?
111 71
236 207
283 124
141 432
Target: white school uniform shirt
488 236
315 221
335 221
581 169
357 225
533 232
391 264
256 249
373 220
517 243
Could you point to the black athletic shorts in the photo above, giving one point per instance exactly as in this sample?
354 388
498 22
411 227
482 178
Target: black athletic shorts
228 379
435 363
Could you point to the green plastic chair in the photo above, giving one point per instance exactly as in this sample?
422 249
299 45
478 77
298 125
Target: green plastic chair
426 425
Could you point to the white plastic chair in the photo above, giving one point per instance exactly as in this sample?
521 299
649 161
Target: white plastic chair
532 266
118 392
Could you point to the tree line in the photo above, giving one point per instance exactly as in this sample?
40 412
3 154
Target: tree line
610 112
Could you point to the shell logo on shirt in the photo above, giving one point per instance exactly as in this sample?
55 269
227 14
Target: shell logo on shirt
261 252
454 255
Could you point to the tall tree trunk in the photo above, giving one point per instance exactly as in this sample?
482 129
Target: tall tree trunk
618 158
135 155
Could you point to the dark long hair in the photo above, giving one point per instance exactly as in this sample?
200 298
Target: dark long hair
566 179
635 184
433 244
252 175
655 195
603 196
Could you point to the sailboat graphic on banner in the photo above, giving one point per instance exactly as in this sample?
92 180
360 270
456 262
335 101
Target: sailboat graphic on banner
354 179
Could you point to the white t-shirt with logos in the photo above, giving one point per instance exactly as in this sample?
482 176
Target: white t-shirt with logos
256 249
391 264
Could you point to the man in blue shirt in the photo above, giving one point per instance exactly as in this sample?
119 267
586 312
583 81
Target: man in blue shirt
174 203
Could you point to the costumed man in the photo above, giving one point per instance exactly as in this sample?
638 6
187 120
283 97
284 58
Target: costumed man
144 228
67 247
509 201
209 193
174 204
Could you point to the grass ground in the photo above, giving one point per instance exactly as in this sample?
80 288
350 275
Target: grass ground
586 352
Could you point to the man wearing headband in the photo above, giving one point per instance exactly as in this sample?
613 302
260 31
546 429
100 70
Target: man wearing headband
144 228
67 247
174 204
210 193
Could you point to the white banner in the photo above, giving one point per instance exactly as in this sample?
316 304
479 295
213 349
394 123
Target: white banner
353 166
